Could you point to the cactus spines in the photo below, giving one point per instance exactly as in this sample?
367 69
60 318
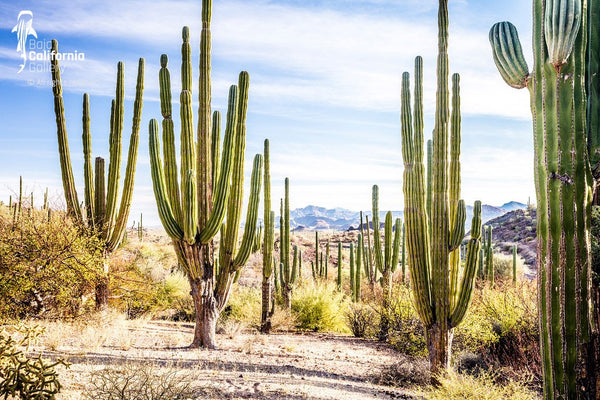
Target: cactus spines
433 233
192 208
564 108
508 54
102 211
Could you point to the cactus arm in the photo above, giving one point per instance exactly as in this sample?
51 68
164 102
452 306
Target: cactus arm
215 147
223 188
268 215
294 272
376 235
317 250
170 166
63 141
358 267
353 271
203 168
114 165
88 173
286 229
165 211
458 230
415 215
125 207
562 20
508 54
388 250
339 267
397 241
466 287
100 193
245 249
593 82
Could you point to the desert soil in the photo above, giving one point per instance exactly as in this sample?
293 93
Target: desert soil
246 366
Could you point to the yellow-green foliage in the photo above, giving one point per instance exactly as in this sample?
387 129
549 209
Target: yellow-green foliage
244 306
406 330
37 256
497 313
319 307
455 386
503 267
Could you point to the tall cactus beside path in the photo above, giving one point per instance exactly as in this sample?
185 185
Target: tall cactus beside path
387 257
563 88
268 304
442 289
102 212
210 187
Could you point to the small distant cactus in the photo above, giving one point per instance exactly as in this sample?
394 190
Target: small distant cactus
287 273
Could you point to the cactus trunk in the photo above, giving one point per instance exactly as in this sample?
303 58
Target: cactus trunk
268 305
564 100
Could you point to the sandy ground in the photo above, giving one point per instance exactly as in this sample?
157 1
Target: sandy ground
246 366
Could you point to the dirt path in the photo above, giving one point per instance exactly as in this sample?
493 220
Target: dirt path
246 366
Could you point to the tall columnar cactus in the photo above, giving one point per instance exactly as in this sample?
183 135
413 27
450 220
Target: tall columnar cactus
268 304
102 211
403 259
210 187
387 256
287 272
442 289
489 254
357 270
514 263
563 88
369 263
339 267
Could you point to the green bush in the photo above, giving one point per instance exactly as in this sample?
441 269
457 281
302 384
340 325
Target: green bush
319 307
454 386
362 320
503 266
243 307
38 255
407 333
21 376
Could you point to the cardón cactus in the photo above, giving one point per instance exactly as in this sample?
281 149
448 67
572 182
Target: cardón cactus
435 233
210 187
563 88
101 211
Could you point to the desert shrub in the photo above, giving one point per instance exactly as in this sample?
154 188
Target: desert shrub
407 333
21 376
38 255
502 328
319 307
362 320
140 382
503 266
407 372
454 386
243 307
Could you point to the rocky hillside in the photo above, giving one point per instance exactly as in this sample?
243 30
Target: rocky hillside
516 227
340 219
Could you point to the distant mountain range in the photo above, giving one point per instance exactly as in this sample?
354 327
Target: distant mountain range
341 219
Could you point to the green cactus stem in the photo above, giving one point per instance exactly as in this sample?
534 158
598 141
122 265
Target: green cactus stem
514 263
208 195
288 273
268 299
434 234
563 88
339 267
110 223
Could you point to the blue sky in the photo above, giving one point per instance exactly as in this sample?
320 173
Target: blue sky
325 89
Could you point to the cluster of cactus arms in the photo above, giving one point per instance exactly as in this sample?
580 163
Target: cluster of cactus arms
386 255
564 90
488 251
102 211
442 289
320 265
268 298
355 269
287 273
192 208
367 253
